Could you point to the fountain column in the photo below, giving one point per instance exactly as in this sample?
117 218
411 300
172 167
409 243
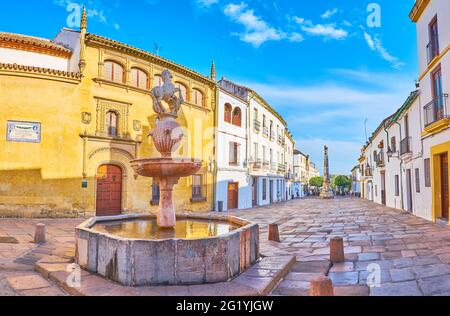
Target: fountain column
166 212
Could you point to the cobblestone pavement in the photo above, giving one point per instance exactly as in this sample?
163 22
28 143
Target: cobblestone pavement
413 254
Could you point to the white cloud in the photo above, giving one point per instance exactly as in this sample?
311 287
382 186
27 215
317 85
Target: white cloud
257 31
376 45
327 31
207 3
329 13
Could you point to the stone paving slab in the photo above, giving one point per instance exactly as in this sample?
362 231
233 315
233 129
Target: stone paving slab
413 254
259 280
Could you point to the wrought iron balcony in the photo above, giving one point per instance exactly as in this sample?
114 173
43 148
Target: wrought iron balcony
266 164
273 166
257 165
281 167
380 159
266 131
280 139
432 51
436 110
257 125
405 146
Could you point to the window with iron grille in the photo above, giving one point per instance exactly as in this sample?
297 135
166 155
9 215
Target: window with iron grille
427 168
197 187
417 180
234 154
397 185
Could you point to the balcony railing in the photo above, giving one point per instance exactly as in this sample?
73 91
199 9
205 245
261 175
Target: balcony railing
273 166
280 139
380 159
436 110
266 164
432 51
405 146
257 125
266 131
281 168
257 164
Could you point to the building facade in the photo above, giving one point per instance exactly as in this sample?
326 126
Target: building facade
408 169
233 189
76 110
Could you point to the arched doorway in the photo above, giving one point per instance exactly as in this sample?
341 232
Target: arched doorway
109 190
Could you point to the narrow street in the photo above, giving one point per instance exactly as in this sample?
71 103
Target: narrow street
413 254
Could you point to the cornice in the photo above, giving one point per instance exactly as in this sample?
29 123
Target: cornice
267 106
418 9
124 48
33 44
38 72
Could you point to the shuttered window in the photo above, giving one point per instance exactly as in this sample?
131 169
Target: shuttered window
183 90
197 98
114 72
228 110
234 154
237 117
157 81
139 79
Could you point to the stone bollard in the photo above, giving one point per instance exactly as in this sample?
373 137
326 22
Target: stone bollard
274 233
39 235
337 250
321 286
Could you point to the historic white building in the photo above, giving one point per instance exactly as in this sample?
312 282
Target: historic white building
289 156
433 42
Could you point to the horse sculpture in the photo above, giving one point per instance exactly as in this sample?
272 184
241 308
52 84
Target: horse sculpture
167 92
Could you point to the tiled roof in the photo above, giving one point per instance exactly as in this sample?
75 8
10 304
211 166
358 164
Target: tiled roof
34 42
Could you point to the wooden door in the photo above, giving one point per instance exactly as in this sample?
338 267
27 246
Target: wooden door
444 186
109 190
271 190
233 196
255 192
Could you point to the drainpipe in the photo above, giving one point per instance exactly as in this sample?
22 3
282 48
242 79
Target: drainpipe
216 142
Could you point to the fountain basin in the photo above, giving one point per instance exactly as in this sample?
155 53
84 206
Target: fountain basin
166 167
214 249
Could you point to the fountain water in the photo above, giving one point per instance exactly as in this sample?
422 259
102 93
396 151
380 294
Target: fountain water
138 250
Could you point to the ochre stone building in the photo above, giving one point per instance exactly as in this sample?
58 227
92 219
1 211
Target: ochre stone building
75 110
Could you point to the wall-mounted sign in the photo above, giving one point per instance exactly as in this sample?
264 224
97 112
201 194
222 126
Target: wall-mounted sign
26 132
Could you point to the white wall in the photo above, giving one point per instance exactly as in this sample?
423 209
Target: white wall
71 39
25 58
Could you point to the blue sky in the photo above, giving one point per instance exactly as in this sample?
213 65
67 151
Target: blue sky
320 65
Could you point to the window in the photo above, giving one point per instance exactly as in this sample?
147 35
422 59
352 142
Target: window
155 194
417 180
197 98
139 78
197 187
264 153
114 72
264 121
234 154
393 145
433 46
255 114
183 90
375 156
157 81
264 187
397 185
237 117
256 146
427 167
228 110
112 122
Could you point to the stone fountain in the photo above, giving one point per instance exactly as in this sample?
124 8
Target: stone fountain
167 249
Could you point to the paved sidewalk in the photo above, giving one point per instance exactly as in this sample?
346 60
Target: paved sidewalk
413 254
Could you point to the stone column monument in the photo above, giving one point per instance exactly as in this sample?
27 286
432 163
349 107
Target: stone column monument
326 189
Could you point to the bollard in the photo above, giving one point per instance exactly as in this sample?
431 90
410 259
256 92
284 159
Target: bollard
321 286
274 233
39 235
337 250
